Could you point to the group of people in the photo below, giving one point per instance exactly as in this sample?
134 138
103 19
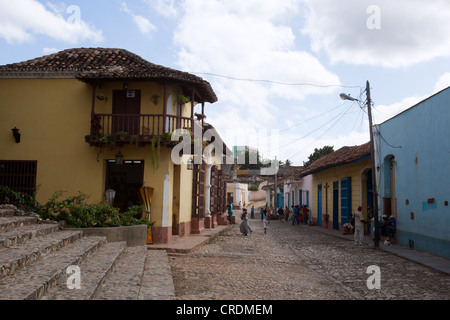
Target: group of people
356 223
296 215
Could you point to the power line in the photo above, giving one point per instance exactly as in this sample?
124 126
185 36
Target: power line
336 118
274 82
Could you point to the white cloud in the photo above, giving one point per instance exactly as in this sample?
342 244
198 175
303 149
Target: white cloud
247 40
166 8
443 82
46 51
144 25
22 20
410 31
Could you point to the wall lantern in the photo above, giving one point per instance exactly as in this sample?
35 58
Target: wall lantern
119 158
147 194
16 134
110 195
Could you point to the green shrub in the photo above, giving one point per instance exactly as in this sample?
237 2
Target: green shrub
75 211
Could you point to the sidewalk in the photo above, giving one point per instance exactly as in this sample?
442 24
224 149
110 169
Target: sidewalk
438 263
189 243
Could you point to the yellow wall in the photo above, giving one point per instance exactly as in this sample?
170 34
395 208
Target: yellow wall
53 116
357 173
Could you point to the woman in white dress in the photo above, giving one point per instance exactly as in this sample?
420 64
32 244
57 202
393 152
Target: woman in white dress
245 227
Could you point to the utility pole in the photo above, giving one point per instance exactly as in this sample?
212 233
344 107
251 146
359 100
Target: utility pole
275 200
376 240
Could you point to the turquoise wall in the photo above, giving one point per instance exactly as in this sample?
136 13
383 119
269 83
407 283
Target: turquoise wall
419 139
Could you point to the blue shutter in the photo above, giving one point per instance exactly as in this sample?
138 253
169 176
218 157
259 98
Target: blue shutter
346 199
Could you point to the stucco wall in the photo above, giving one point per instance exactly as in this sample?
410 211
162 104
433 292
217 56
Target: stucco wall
54 115
356 171
419 139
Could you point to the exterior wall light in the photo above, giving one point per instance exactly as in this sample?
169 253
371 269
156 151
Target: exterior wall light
16 134
119 158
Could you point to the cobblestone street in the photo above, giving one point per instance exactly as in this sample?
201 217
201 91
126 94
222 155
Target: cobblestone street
298 263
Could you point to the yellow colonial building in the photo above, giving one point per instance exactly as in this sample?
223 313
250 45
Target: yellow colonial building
95 119
341 181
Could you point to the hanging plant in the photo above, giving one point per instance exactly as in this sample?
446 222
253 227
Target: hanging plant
182 99
155 99
156 148
102 97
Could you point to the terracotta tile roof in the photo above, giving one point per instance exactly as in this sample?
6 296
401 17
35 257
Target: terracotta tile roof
340 157
89 64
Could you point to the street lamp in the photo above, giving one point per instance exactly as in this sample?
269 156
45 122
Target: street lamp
376 240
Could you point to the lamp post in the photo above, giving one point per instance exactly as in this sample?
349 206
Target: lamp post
376 240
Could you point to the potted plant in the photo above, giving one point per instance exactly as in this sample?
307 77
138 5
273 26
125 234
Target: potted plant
155 99
145 133
182 99
122 135
200 116
102 97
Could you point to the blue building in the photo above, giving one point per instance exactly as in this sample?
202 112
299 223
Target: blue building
414 172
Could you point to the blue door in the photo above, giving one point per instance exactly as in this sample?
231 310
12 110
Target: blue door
319 205
336 205
346 199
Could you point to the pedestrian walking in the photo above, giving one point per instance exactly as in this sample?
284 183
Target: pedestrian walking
262 213
230 212
296 217
286 213
245 227
266 222
252 212
359 226
280 214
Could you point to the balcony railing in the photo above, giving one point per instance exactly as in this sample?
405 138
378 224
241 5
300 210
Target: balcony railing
138 128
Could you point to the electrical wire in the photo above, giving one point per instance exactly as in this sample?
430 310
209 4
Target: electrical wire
337 118
274 82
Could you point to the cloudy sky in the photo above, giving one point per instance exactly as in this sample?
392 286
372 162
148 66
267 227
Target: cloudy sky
277 67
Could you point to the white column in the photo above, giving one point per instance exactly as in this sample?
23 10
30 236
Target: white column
165 213
208 190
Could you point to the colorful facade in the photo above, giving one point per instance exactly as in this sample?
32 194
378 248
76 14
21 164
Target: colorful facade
341 181
91 120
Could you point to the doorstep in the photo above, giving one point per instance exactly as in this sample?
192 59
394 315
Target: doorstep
190 242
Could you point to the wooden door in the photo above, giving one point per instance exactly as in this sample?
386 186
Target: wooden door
126 109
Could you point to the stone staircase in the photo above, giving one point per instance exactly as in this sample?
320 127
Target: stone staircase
37 260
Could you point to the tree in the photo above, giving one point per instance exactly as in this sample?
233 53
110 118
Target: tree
318 153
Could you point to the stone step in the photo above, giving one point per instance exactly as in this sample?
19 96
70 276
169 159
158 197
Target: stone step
124 282
157 280
20 256
23 234
7 212
37 279
93 272
10 222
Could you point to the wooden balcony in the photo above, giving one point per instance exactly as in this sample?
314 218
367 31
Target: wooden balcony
136 129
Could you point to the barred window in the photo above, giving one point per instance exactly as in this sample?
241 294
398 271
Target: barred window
19 175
